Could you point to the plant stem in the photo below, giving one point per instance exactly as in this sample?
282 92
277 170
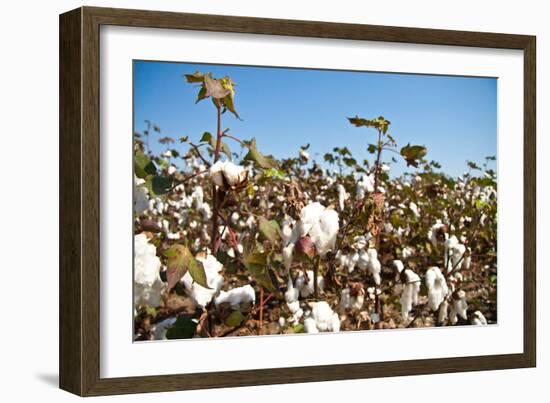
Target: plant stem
315 276
377 164
215 195
261 309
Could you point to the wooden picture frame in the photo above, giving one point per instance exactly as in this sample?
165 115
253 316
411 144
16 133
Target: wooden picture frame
80 200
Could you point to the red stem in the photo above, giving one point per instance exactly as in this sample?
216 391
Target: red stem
215 201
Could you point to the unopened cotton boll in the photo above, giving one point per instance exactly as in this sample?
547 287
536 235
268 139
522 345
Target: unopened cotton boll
200 295
237 297
437 287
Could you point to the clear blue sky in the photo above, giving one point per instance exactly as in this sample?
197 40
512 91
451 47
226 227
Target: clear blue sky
454 117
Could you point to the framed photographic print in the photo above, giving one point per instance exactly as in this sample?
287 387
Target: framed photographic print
250 201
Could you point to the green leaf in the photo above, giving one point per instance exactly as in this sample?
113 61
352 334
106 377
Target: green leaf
143 166
350 162
180 260
274 173
183 328
269 229
256 264
379 123
208 138
159 185
201 95
235 319
263 161
298 328
196 270
413 153
372 148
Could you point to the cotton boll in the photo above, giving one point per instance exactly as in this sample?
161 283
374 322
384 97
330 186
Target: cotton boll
459 307
292 294
437 287
216 173
227 174
361 241
342 196
202 296
287 255
406 252
409 295
321 224
237 297
364 186
437 233
351 302
304 154
198 196
352 262
310 325
478 319
324 318
146 262
305 285
443 312
414 208
295 310
398 264
282 321
374 266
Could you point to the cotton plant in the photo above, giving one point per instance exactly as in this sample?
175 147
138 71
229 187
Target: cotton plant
329 232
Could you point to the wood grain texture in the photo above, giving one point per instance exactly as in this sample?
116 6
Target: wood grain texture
70 271
80 200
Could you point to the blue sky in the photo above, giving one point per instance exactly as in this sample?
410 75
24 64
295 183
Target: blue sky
454 117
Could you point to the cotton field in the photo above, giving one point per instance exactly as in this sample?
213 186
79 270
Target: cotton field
231 241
